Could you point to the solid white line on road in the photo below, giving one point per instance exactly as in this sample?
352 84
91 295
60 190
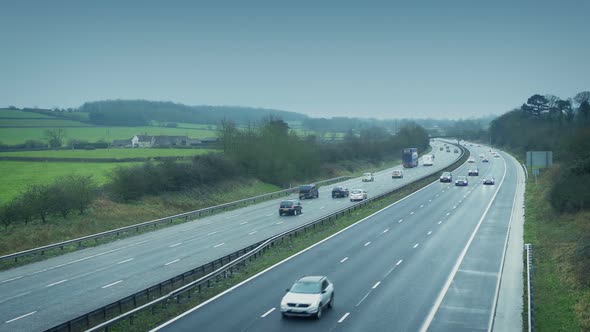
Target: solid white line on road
252 232
175 245
57 283
344 259
213 233
172 262
400 220
343 317
416 245
377 284
399 262
19 317
268 312
366 244
448 213
11 279
429 232
243 223
385 231
218 245
125 261
422 205
411 212
112 284
280 222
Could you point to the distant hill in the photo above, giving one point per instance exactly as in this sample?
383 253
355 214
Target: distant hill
141 112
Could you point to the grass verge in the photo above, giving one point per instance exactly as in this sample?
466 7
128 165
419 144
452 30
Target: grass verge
159 314
561 303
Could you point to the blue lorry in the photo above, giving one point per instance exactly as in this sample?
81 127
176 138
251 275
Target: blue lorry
410 157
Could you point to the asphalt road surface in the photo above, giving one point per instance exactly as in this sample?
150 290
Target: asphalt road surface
430 262
45 294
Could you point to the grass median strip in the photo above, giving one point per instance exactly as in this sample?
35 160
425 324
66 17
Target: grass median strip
159 314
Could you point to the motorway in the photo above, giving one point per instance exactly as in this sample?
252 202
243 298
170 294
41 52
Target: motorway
41 295
430 262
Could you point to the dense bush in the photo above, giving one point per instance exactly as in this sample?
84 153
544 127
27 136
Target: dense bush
64 195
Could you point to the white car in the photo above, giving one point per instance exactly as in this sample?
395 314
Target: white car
358 195
308 297
470 160
397 174
368 177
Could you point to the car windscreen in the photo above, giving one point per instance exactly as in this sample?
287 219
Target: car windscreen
305 188
286 204
306 288
356 192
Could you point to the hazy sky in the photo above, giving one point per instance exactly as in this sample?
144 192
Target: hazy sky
386 59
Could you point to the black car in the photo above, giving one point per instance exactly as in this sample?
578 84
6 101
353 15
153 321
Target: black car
308 191
290 207
446 177
340 192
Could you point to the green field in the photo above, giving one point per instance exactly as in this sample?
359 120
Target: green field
121 153
5 113
45 122
17 175
13 136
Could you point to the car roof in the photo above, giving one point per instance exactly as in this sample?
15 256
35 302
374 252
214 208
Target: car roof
288 201
311 278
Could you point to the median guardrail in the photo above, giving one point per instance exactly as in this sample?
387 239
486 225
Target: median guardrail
195 281
154 223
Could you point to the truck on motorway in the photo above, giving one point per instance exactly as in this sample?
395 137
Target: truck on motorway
427 160
410 157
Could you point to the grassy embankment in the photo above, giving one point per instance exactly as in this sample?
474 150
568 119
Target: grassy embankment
561 303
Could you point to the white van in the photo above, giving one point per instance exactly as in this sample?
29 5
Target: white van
368 177
427 160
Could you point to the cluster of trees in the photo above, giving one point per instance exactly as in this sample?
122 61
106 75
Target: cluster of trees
142 112
559 125
275 154
39 202
132 183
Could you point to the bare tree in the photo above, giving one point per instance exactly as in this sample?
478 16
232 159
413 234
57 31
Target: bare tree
55 137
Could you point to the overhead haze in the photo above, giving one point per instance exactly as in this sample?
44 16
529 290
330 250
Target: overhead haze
440 59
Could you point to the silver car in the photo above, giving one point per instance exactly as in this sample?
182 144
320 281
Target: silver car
308 297
358 195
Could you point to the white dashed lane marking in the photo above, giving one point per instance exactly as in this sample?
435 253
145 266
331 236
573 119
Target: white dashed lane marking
429 232
385 231
57 283
344 259
268 312
172 262
252 232
19 317
400 220
112 284
125 261
175 245
218 245
343 317
366 244
416 245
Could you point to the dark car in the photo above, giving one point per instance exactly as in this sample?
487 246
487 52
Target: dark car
340 192
489 181
446 177
290 207
308 191
473 171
